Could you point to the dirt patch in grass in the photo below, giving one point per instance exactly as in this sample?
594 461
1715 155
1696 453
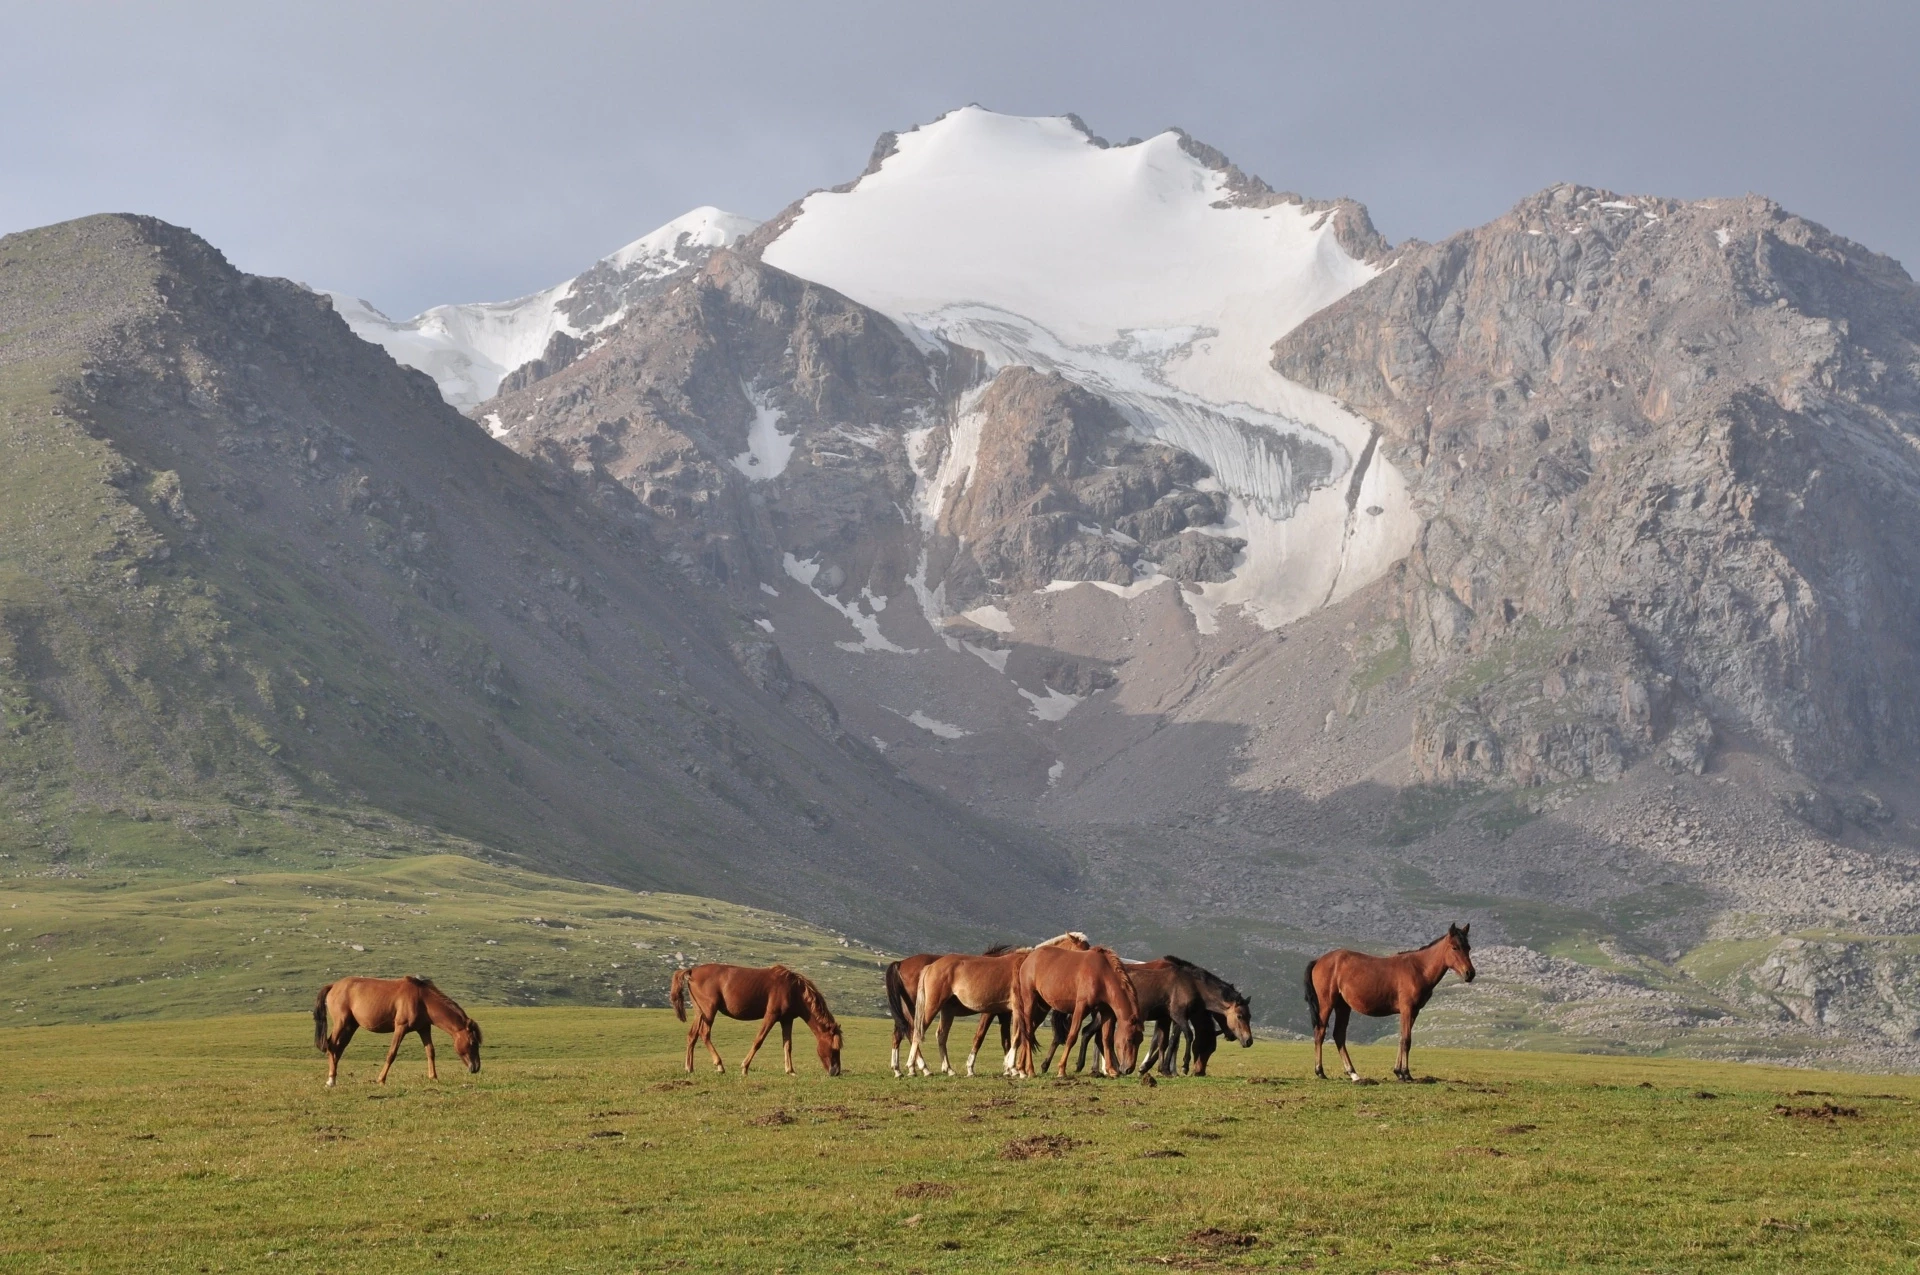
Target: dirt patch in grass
777 1116
924 1191
1040 1146
1515 1130
1163 1153
1827 1111
1490 1152
1214 1238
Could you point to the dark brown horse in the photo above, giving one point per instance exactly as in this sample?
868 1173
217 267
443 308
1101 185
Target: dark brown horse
958 984
1343 981
1232 1016
398 1005
903 983
773 995
1080 984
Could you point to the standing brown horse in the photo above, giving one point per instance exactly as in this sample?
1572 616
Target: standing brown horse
955 984
903 983
398 1005
1081 983
773 995
1343 981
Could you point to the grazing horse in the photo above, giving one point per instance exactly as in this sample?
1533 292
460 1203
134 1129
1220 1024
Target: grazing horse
955 984
1230 1009
1183 1002
903 982
398 1005
773 995
1343 981
1081 983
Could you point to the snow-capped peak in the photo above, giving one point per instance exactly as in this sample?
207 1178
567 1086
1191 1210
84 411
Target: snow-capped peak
1149 273
469 349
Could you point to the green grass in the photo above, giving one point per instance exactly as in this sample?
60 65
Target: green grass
212 1146
106 949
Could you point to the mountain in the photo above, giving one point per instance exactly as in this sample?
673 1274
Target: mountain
1031 531
470 349
266 601
1313 590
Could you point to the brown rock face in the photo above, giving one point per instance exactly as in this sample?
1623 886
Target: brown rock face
1668 457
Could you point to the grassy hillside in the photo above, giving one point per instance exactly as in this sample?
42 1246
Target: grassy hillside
259 585
170 947
212 1145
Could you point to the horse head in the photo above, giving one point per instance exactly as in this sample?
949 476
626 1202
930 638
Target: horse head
466 1043
827 1038
1459 952
1238 1016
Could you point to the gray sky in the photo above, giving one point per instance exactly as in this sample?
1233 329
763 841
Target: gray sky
414 153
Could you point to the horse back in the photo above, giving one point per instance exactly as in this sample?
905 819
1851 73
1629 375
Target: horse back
376 1004
1371 985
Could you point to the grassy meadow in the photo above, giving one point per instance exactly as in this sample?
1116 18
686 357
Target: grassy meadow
113 947
211 1145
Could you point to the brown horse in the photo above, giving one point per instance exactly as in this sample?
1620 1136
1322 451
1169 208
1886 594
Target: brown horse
1343 981
1081 983
903 982
773 995
398 1005
958 984
1232 1015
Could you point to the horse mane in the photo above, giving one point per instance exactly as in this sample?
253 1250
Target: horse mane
998 949
1214 982
1409 951
435 996
810 996
1069 939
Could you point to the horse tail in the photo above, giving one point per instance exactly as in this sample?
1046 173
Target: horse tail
897 999
1313 997
677 994
320 1019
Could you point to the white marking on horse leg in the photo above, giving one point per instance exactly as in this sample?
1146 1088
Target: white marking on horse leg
970 1058
896 1062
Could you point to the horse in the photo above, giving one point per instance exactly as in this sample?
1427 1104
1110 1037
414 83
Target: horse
1082 983
398 1005
1184 1003
1343 981
1230 1009
903 981
954 984
773 995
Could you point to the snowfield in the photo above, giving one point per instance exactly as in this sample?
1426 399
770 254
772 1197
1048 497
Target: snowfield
1127 270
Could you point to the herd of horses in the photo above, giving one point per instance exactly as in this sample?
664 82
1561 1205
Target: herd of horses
1087 994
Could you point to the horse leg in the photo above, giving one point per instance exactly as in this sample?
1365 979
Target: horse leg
1088 1035
946 1028
1073 1032
766 1025
706 1036
1321 1012
337 1045
399 1034
693 1034
979 1035
1342 1013
1058 1021
426 1038
1006 1042
896 1048
1404 1068
786 1043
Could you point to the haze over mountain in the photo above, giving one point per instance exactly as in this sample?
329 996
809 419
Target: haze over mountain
1061 531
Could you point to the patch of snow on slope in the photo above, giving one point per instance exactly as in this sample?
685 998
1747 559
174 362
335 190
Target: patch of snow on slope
990 617
1052 706
1126 270
492 421
994 659
469 349
945 730
768 450
867 626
